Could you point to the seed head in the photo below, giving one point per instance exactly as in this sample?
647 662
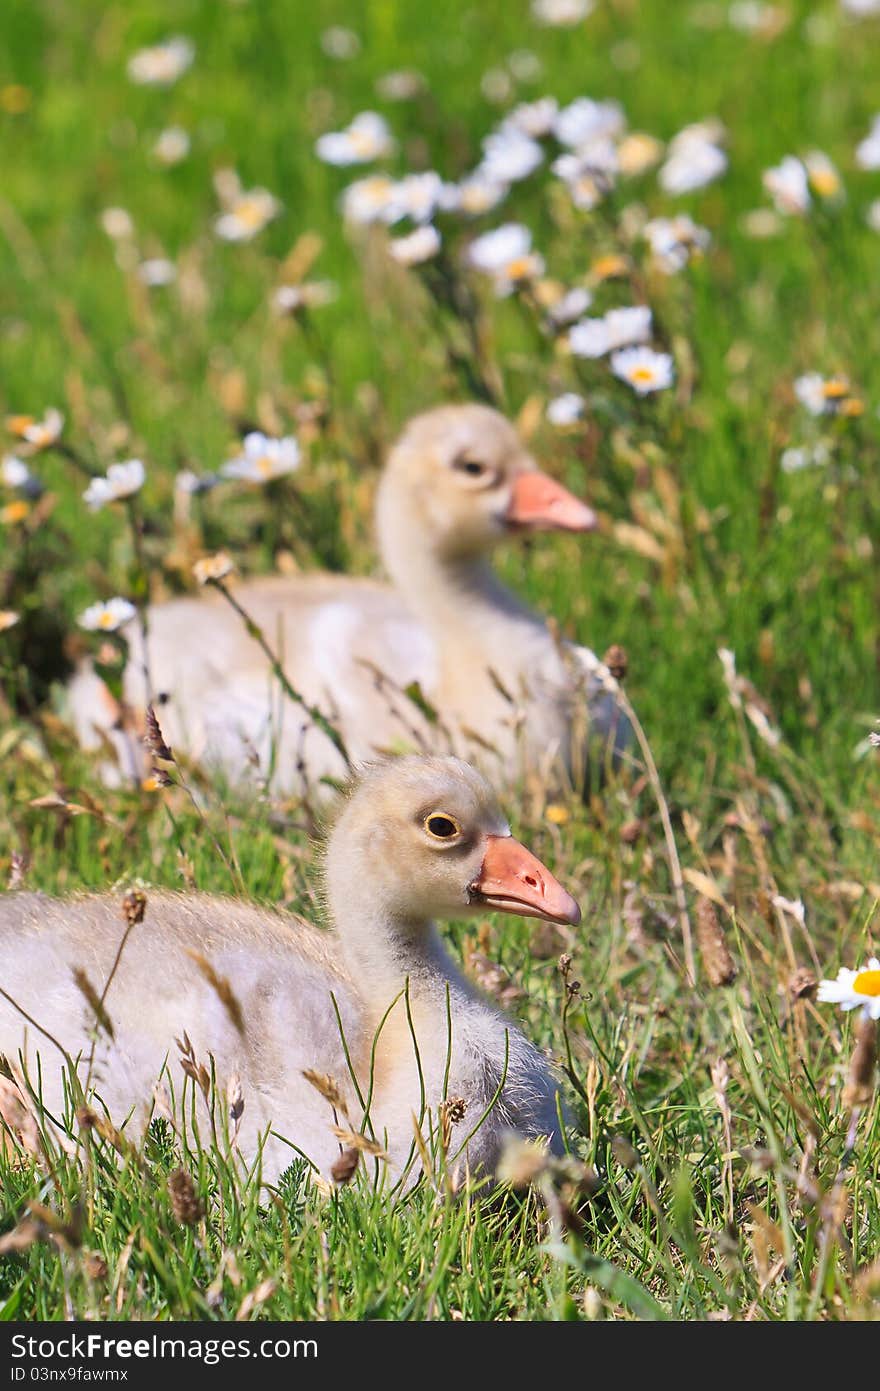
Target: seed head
343 1169
134 905
719 965
186 1204
617 661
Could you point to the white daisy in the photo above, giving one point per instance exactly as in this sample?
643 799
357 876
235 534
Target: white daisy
823 178
585 120
617 329
638 152
117 223
172 145
39 434
418 196
854 989
570 306
872 215
478 194
163 64
822 395
191 484
534 118
157 272
401 85
375 199
564 13
247 215
107 617
14 472
788 185
263 459
643 369
509 155
868 150
693 161
419 246
213 567
122 480
340 43
365 139
861 8
674 240
313 294
506 255
565 409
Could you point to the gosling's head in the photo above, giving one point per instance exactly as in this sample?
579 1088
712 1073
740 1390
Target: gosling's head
424 838
460 479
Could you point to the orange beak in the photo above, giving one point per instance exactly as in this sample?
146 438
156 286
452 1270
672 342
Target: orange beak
539 503
513 880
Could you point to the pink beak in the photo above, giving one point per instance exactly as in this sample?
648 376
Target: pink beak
513 880
541 504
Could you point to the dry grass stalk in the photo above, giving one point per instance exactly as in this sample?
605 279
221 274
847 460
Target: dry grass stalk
353 1139
192 1067
328 1088
860 1080
221 987
255 1298
18 1118
94 1001
87 1119
720 1074
186 1205
718 963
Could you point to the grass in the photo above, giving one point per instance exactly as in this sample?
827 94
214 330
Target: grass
751 1197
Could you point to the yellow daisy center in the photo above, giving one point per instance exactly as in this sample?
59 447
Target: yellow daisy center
825 183
608 266
107 620
835 389
265 466
518 268
14 512
867 983
250 212
643 374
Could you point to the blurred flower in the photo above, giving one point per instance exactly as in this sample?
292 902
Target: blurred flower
419 246
754 17
14 472
14 513
826 395
868 150
674 240
525 65
585 120
107 617
761 223
644 370
561 12
418 196
157 272
117 223
861 8
477 194
8 619
172 146
534 118
823 178
799 457
788 186
637 153
290 299
340 43
247 215
122 480
509 156
694 158
872 215
617 329
506 255
193 483
374 199
569 306
163 64
39 434
589 174
213 567
401 85
609 268
366 138
854 989
565 409
263 459
496 84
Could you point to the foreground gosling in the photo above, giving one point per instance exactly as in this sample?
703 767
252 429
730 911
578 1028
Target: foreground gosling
417 839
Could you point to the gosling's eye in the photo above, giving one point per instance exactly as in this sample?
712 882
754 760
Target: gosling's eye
441 826
473 467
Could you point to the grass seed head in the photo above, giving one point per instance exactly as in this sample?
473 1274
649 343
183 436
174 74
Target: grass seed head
343 1169
186 1205
718 963
134 906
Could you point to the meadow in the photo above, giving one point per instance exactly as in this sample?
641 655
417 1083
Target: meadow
729 1121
